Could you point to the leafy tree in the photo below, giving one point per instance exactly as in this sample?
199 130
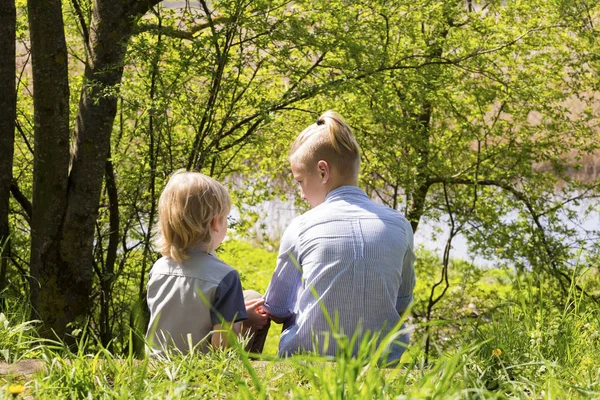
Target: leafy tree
474 115
465 113
488 126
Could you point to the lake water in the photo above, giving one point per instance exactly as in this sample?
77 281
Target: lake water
431 235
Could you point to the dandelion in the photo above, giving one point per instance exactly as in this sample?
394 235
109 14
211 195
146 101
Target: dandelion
15 390
496 352
587 362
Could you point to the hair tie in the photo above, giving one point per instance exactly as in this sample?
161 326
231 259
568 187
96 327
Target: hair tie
320 121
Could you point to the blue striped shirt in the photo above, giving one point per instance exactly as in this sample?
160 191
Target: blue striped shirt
351 256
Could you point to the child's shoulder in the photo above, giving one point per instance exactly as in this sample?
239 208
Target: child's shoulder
366 208
199 265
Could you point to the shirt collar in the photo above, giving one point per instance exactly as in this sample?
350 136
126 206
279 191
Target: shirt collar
199 249
344 191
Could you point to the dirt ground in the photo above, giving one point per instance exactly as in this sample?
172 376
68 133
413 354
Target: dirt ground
21 368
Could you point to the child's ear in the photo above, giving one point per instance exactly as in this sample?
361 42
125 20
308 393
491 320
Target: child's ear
214 224
324 172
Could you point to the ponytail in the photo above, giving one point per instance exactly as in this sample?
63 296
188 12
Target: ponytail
340 134
329 139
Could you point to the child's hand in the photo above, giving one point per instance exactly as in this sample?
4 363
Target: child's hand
257 317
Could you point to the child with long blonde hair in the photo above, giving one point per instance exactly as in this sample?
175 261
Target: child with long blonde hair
193 296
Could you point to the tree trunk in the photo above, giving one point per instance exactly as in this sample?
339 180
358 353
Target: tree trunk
62 249
52 280
108 272
418 196
109 32
8 106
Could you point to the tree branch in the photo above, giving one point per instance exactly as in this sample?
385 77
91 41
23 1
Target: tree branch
23 136
16 263
141 7
21 199
433 300
84 29
554 267
211 24
179 33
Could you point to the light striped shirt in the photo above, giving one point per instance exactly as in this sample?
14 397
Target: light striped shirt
352 257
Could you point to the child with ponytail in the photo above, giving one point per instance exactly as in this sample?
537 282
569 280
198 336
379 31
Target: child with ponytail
347 255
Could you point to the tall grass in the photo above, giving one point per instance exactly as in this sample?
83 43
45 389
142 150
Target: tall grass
18 335
526 348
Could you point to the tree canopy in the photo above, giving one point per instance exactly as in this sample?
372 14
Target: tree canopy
476 114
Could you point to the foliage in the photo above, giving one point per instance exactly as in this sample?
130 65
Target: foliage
256 265
473 127
476 115
524 349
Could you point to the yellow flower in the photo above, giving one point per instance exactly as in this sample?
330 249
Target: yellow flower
496 352
587 362
16 389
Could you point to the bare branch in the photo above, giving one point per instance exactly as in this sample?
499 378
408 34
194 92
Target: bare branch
23 136
84 29
16 263
561 276
211 24
444 276
21 199
179 33
569 200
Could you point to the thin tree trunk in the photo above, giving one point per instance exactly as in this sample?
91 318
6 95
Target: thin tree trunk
418 196
108 273
153 153
8 107
109 32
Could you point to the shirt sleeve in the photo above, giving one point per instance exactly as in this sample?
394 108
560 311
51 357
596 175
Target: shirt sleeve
282 293
407 285
229 300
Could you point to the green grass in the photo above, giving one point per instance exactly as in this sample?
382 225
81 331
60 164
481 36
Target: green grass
529 344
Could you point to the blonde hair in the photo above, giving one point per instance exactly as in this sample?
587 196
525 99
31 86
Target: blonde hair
329 139
187 205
